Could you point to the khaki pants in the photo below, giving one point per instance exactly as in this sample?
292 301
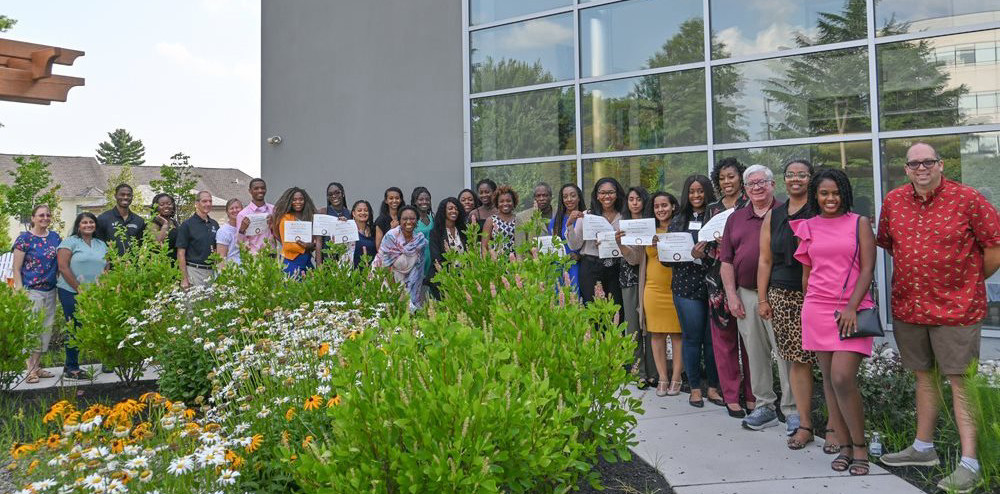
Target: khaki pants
200 276
44 302
758 338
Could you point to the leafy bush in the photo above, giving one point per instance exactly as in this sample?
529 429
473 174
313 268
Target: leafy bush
108 310
888 394
19 335
984 400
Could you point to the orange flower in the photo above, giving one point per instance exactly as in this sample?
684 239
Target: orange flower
235 460
284 437
323 349
189 414
290 414
306 441
53 441
312 402
117 446
33 466
333 401
18 450
254 443
151 397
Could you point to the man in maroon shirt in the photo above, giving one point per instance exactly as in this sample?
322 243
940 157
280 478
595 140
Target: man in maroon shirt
944 238
739 251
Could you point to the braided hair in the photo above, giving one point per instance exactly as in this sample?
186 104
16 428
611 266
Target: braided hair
843 187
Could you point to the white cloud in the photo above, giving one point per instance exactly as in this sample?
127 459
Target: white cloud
536 34
181 56
777 36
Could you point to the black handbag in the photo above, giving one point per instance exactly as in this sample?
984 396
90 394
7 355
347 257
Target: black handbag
869 324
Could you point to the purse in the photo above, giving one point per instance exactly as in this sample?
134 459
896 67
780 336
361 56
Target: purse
869 324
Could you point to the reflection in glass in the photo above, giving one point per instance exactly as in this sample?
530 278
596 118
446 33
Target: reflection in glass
758 26
524 125
523 53
640 34
664 172
523 178
910 16
854 158
483 11
657 111
939 82
802 96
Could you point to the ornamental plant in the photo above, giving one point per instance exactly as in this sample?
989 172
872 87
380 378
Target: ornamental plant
19 335
983 389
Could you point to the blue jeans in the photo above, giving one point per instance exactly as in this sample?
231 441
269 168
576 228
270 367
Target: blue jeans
68 301
696 341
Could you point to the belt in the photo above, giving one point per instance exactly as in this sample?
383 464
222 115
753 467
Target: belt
199 266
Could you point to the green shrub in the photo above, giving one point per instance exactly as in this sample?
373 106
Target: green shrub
984 400
19 333
888 394
333 281
109 309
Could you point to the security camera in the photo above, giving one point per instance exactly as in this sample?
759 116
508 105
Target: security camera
274 140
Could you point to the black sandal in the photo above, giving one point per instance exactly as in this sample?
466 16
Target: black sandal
795 445
842 462
830 447
859 467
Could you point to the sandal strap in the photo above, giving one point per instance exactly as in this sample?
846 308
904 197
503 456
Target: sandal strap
807 429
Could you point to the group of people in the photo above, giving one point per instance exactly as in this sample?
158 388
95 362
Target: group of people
785 282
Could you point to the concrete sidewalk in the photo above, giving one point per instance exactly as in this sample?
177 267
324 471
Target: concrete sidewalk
149 374
705 451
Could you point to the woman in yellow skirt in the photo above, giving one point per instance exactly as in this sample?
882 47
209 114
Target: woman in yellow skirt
657 313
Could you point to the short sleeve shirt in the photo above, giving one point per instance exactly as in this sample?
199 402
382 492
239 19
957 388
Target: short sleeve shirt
109 221
740 245
40 267
688 280
87 262
937 248
197 237
227 236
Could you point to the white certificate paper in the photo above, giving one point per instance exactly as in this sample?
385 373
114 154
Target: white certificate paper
607 247
594 224
546 246
258 224
674 247
344 231
712 230
323 224
638 232
298 230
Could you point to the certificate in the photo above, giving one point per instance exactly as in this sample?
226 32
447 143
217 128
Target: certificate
638 232
323 224
546 246
712 230
594 224
674 247
258 224
607 246
298 230
344 231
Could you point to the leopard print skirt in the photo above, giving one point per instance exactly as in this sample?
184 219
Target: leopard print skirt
786 319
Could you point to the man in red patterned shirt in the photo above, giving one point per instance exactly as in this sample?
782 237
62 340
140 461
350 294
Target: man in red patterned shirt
945 241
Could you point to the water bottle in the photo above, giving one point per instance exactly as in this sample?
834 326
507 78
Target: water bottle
875 446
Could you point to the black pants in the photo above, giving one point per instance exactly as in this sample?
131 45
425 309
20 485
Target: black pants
592 271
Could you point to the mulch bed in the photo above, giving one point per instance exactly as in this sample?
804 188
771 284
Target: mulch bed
628 477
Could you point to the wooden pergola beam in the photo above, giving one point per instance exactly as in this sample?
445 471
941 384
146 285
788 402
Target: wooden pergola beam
26 72
20 49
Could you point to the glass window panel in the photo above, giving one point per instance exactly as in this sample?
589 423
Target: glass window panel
854 158
756 26
986 53
664 172
522 54
987 103
483 11
524 125
965 55
802 96
910 16
968 158
523 178
917 92
657 111
640 34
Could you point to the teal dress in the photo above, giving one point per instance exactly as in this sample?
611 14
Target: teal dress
426 230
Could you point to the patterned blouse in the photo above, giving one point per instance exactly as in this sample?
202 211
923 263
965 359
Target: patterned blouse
454 241
505 230
40 268
689 277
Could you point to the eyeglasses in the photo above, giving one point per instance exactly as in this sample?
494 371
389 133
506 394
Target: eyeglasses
605 193
913 165
758 183
800 176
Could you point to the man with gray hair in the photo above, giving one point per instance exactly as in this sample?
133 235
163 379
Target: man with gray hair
739 252
543 204
196 242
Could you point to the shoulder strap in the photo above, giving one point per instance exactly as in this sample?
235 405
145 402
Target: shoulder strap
856 256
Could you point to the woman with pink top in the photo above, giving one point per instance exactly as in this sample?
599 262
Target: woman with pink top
837 252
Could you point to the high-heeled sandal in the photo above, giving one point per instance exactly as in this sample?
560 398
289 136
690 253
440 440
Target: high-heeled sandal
830 447
794 444
674 390
842 462
858 466
661 389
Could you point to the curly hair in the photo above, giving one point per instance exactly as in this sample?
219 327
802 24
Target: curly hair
843 187
284 206
722 164
502 190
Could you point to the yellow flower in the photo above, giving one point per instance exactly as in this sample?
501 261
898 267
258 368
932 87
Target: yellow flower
53 441
234 460
313 402
151 397
323 349
306 441
332 402
254 443
189 414
117 446
290 414
284 437
32 466
18 450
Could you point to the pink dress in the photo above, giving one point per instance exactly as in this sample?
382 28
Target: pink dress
827 245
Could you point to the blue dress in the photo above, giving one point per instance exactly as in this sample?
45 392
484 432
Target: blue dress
574 269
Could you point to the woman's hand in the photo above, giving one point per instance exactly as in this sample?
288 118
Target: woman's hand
764 309
699 250
656 238
847 321
573 216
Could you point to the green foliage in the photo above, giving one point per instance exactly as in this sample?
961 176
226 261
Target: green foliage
108 310
984 400
121 150
19 336
6 23
888 391
121 175
333 280
32 181
180 181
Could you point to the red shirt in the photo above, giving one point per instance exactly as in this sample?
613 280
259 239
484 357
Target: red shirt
740 244
937 248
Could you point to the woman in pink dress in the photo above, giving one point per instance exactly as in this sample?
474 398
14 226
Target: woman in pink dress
836 245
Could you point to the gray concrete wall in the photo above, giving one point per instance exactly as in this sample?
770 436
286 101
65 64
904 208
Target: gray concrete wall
364 92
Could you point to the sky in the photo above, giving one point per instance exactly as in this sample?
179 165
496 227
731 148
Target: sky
181 75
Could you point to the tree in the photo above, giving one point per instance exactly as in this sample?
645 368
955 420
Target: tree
32 185
180 181
122 150
120 175
6 23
